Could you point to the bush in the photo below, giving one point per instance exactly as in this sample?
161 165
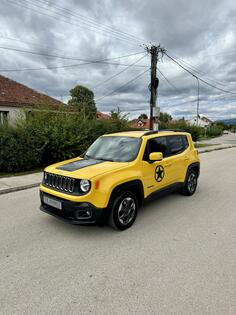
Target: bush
214 131
195 131
44 138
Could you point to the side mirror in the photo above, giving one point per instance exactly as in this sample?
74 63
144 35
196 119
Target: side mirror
156 156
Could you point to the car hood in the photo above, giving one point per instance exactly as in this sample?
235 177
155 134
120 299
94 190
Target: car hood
84 168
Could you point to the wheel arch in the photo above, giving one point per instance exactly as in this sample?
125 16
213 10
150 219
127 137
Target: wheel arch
195 167
134 186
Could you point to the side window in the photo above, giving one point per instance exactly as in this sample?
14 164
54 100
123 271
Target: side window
176 144
185 142
156 145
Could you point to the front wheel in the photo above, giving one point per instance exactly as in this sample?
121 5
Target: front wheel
123 211
190 184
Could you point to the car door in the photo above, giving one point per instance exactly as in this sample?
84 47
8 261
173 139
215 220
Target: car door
158 174
178 157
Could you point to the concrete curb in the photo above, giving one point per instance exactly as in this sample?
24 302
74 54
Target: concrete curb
216 149
18 188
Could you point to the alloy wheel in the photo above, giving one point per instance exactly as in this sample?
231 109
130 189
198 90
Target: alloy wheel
126 210
192 182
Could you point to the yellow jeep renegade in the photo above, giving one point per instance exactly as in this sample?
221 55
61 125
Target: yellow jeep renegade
116 174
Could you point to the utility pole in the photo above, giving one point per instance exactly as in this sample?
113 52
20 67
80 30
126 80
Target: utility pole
154 51
198 88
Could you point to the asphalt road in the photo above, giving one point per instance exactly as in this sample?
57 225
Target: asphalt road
179 257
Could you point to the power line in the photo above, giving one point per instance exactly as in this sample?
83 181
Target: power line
93 25
120 72
104 61
91 20
128 82
30 43
95 29
196 70
70 66
56 17
65 57
167 80
197 77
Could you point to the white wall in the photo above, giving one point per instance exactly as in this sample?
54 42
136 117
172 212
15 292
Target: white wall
13 113
201 123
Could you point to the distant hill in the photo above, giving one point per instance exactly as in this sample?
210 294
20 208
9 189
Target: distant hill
231 121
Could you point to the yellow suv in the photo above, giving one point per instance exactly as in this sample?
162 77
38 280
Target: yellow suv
117 173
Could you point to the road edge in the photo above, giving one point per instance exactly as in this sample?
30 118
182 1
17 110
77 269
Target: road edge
216 149
24 187
18 188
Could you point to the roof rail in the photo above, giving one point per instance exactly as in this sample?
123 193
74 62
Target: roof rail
174 130
151 132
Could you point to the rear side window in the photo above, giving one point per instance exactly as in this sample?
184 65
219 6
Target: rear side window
177 144
156 145
185 141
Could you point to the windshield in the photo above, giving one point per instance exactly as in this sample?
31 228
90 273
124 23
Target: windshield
114 148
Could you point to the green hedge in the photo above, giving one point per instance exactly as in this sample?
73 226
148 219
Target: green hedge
45 138
214 131
196 132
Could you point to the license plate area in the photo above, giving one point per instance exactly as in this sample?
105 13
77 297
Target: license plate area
52 202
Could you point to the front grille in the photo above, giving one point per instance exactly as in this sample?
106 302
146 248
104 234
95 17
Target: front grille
59 182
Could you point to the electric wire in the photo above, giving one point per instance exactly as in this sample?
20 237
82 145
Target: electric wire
30 43
70 66
120 72
167 80
65 57
91 20
95 30
127 83
197 77
196 70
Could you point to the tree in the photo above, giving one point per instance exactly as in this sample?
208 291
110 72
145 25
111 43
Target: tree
117 115
82 99
165 117
143 116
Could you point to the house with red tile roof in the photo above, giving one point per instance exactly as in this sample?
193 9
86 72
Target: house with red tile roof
102 116
15 96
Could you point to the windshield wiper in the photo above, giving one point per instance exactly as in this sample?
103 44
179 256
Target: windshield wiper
88 156
102 159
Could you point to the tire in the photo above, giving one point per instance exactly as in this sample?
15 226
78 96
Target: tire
190 184
124 211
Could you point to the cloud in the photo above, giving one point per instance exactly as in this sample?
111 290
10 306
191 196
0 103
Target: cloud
201 34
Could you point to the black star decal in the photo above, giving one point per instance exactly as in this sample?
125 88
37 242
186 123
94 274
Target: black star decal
159 173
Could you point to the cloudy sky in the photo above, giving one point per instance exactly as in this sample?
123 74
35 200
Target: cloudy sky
39 38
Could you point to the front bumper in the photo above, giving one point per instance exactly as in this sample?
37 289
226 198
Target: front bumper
74 212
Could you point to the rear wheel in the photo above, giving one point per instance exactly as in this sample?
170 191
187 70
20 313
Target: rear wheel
123 210
190 184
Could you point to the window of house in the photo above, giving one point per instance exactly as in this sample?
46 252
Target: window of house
3 117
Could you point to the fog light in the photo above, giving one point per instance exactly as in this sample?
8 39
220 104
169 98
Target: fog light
83 214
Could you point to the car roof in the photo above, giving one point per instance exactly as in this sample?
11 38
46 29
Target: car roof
146 133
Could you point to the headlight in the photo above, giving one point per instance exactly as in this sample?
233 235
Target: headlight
85 185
